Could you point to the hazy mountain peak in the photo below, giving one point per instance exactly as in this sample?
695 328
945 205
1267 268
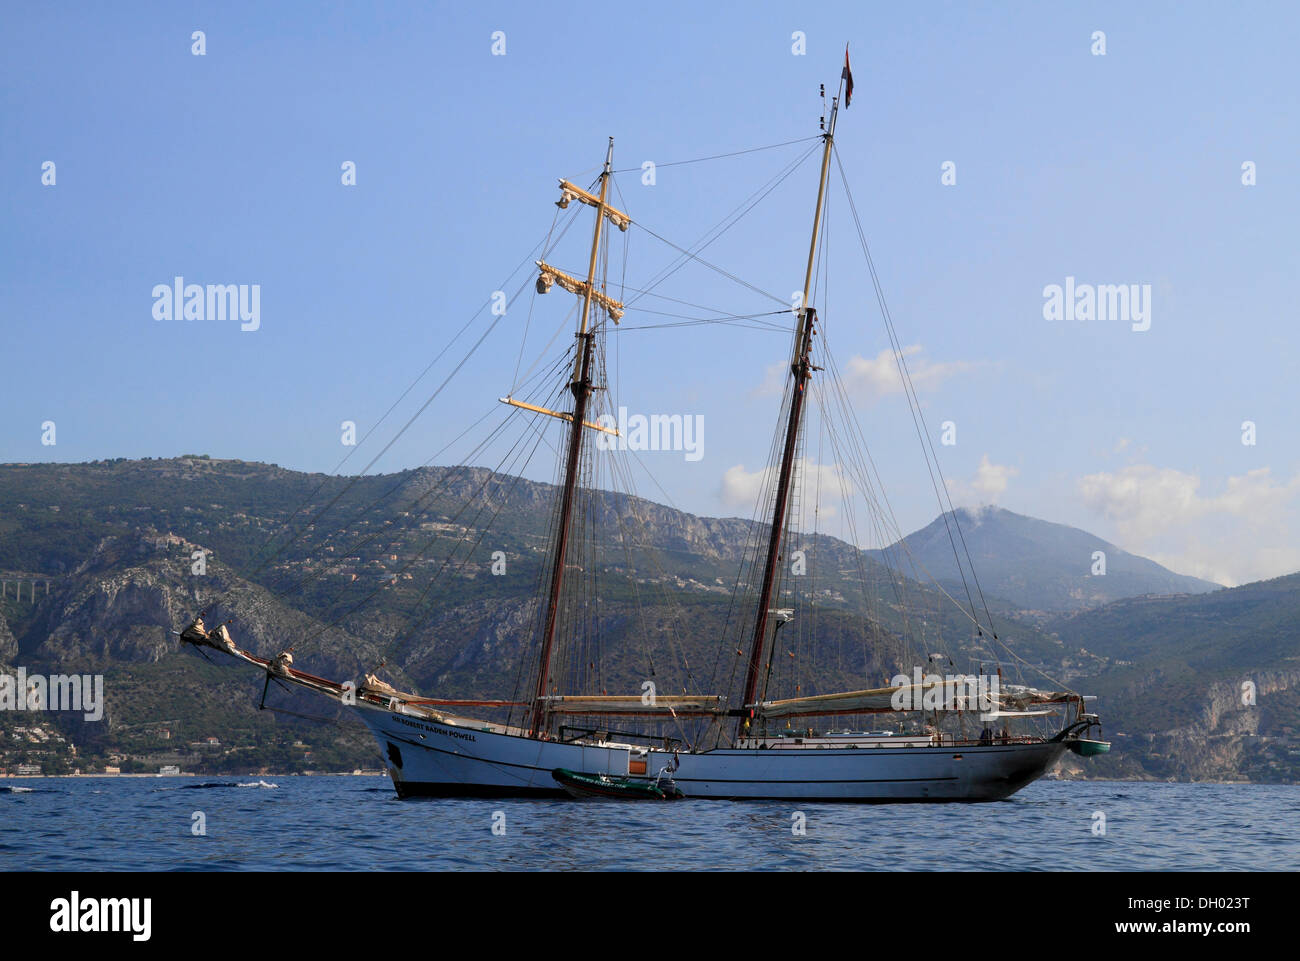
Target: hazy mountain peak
1035 564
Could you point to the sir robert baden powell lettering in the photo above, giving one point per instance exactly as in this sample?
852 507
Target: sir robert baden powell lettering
445 732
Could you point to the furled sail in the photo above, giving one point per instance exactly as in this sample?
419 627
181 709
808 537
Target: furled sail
941 695
571 191
553 275
847 702
685 705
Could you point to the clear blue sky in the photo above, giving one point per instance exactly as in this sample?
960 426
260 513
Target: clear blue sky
1123 168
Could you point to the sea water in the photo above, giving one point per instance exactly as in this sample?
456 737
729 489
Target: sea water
357 823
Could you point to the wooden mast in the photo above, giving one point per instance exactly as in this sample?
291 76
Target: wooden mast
801 367
581 387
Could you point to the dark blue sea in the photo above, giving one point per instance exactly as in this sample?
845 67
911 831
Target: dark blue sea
357 823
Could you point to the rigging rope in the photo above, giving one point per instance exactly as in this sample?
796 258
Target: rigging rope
542 245
927 445
735 217
719 156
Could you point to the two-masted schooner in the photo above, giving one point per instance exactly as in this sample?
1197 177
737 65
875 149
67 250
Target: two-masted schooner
755 746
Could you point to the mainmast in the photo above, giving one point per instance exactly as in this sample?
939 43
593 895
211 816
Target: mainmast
580 384
801 367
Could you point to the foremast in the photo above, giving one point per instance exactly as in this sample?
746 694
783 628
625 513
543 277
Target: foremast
580 385
801 368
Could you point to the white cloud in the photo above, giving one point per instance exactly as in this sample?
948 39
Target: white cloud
991 479
773 380
1243 533
989 483
1147 500
879 376
742 488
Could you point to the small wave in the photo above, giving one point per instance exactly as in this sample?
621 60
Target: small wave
213 785
206 785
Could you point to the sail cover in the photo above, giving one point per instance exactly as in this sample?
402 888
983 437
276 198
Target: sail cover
666 705
847 702
939 695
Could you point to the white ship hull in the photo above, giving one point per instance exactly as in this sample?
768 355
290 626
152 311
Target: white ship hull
427 758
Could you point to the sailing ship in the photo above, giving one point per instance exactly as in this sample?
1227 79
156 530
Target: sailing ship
747 743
